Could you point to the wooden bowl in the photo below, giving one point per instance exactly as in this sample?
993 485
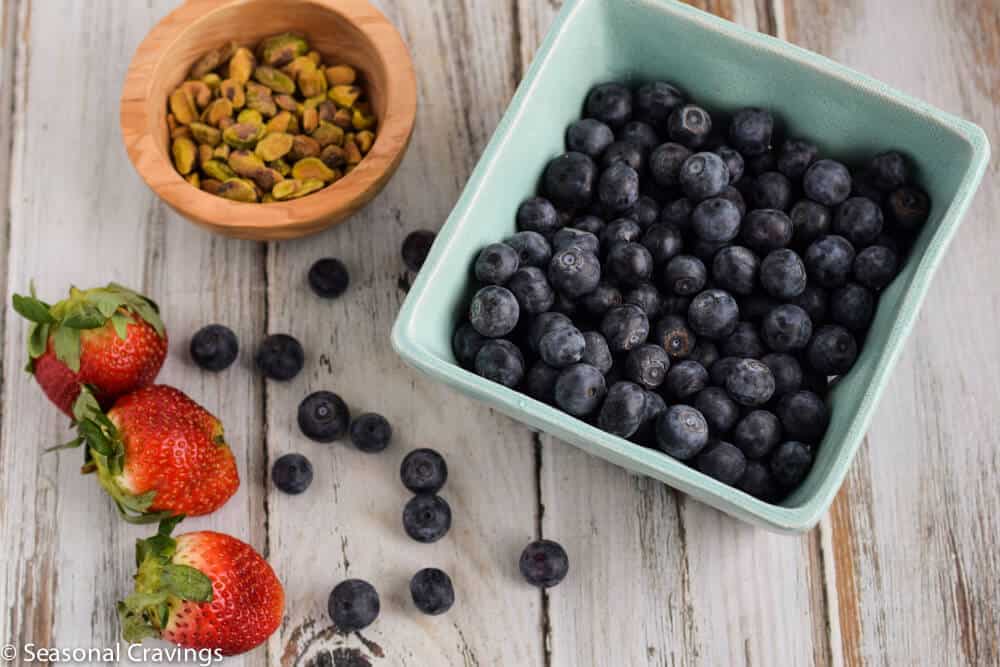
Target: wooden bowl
348 31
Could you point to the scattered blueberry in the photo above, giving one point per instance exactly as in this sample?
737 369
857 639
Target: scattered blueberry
328 277
214 348
292 473
716 220
537 215
705 353
601 299
677 213
427 518
646 211
371 432
423 471
416 246
647 297
596 353
621 230
814 301
720 370
353 605
618 188
809 221
323 416
641 134
432 591
888 171
682 432
543 324
575 271
734 162
655 101
280 357
758 482
540 382
544 563
623 152
628 264
531 290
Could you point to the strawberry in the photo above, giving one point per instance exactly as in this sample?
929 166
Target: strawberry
108 338
202 590
157 453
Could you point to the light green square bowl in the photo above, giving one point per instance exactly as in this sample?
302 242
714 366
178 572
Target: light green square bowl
723 66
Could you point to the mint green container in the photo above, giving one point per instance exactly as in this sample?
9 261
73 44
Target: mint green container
725 67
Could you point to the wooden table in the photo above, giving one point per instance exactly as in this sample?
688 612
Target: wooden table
904 570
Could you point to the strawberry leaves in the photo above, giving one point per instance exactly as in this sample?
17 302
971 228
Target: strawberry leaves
32 309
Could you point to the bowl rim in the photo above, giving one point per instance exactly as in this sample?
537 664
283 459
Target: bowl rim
274 220
780 518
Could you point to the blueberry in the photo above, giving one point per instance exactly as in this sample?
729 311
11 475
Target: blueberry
426 518
813 300
371 432
655 406
645 212
496 263
716 220
623 409
689 125
569 180
423 471
832 350
783 274
703 175
353 605
859 220
500 361
323 416
719 410
758 482
664 242
655 101
790 463
888 171
628 264
494 311
734 162
852 306
604 297
589 223
610 103
673 335
618 188
809 221
685 379
214 348
543 324
743 342
674 304
432 591
416 246
862 186
787 328
292 473
706 250
685 275
815 382
803 416
589 136
773 190
757 165
641 134
574 271
750 383
623 152
596 352
681 432
568 237
531 289
280 357
647 297
544 563
829 260
757 433
754 307
733 195
677 213
625 327
786 371
765 230
647 365
532 249
705 353
750 131
909 207
561 347
720 370
713 314
580 389
734 269
328 277
537 215
540 382
875 266
465 344
795 157
722 461
827 182
665 163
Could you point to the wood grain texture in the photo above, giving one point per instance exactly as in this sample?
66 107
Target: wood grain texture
912 535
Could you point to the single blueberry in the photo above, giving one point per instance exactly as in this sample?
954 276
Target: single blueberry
733 195
758 482
734 162
716 220
589 223
664 242
875 266
214 347
570 236
500 361
647 297
705 353
714 314
734 269
599 301
532 249
685 275
647 365
416 247
292 473
371 432
888 171
665 163
744 342
827 182
685 379
494 311
719 372
353 605
790 463
531 289
623 409
328 277
787 373
757 433
852 306
544 563
628 264
623 152
803 416
574 271
859 220
750 383
589 136
655 101
645 212
813 300
832 350
610 103
641 134
580 389
674 304
465 344
569 180
750 131
677 213
795 157
540 382
423 471
783 274
829 260
909 207
426 518
596 353
561 347
809 221
703 175
722 461
772 190
280 357
432 591
618 188
787 328
496 263
672 333
543 324
689 125
537 215
625 327
862 185
765 230
682 432
720 411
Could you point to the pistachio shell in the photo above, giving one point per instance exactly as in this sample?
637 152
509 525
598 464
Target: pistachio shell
362 121
241 65
182 106
210 185
233 91
275 79
185 154
259 99
242 135
315 57
274 146
194 179
281 167
286 102
217 169
340 75
364 140
245 163
212 59
238 189
250 117
312 82
199 92
328 133
310 119
279 124
312 167
206 134
216 111
344 96
343 118
353 152
205 153
326 110
181 131
333 157
298 66
282 49
222 151
212 80
303 147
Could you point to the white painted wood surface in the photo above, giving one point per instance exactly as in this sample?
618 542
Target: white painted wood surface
903 571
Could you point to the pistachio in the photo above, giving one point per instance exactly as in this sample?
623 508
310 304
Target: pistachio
333 156
206 134
194 179
326 134
259 99
245 163
274 146
250 117
326 110
313 102
364 140
298 66
343 118
311 185
205 153
199 92
171 122
238 189
266 178
303 147
312 167
353 152
216 111
279 124
212 80
210 185
222 152
282 49
242 135
344 96
312 82
241 65
362 121
294 126
364 106
286 102
285 189
340 75
267 199
310 119
315 57
182 106
226 123
275 79
217 169
212 59
233 91
181 131
281 167
185 153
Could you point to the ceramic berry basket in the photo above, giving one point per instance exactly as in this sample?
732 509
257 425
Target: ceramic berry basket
848 115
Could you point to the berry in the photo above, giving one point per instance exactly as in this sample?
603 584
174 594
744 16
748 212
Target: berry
625 327
703 175
771 190
561 347
496 263
647 365
665 163
575 271
677 213
705 353
641 134
722 461
423 471
754 307
589 136
537 215
758 482
734 269
532 291
623 152
323 416
750 131
744 342
803 416
628 264
543 324
783 274
716 220
599 301
280 357
596 352
328 277
685 275
647 297
832 350
673 335
544 563
852 306
532 249
500 361
580 389
721 369
719 410
646 211
689 125
713 314
465 344
750 383
214 348
828 261
786 371
426 518
622 230
909 206
734 162
888 171
765 230
618 188
813 300
733 195
706 250
569 179
859 220
623 409
371 432
795 157
416 246
353 605
876 266
681 432
610 103
827 182
540 382
494 311
757 433
684 379
757 165
676 305
655 101
432 591
292 473
569 237
809 221
787 328
790 463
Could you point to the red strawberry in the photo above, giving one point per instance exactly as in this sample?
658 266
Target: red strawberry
157 453
202 590
108 338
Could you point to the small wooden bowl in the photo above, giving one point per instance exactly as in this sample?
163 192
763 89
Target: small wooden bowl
347 31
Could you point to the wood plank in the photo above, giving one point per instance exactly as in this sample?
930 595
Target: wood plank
349 523
912 536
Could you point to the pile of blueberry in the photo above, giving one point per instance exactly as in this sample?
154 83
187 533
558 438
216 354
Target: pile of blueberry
692 282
